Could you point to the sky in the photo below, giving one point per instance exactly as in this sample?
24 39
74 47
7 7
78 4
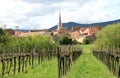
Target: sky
43 14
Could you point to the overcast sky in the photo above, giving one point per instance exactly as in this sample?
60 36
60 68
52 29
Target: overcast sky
42 14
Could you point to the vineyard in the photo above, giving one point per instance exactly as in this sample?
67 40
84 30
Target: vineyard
110 58
87 66
108 48
39 57
19 62
18 54
51 68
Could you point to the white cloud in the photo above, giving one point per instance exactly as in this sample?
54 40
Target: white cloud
38 14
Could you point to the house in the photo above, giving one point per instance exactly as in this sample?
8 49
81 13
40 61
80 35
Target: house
82 33
17 33
33 33
81 38
74 28
42 30
75 34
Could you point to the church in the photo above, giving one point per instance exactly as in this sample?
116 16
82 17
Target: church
60 29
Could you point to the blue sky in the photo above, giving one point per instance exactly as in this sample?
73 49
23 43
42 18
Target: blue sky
42 14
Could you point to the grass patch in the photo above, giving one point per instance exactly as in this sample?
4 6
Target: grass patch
48 69
87 66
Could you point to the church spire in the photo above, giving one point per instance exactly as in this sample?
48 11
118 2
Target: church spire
60 23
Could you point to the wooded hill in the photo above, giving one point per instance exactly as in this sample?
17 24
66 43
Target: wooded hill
69 25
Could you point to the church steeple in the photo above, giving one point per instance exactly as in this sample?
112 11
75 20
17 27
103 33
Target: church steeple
60 23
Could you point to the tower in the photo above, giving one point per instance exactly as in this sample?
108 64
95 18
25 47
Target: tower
60 23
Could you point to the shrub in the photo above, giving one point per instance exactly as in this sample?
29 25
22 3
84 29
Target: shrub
109 36
86 40
66 41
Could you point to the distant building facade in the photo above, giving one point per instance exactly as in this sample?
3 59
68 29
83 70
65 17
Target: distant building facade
82 33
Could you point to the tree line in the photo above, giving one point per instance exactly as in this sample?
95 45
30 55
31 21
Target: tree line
109 37
8 41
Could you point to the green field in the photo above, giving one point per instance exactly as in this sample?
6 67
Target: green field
48 69
86 66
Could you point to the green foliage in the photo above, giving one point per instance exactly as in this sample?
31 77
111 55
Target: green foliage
109 36
56 38
66 41
86 40
2 31
37 42
87 66
28 42
4 37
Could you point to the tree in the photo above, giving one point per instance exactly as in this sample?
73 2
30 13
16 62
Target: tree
87 40
109 36
5 38
66 41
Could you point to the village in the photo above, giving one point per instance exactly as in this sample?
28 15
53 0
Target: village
77 33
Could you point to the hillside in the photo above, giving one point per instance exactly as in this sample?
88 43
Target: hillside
69 25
